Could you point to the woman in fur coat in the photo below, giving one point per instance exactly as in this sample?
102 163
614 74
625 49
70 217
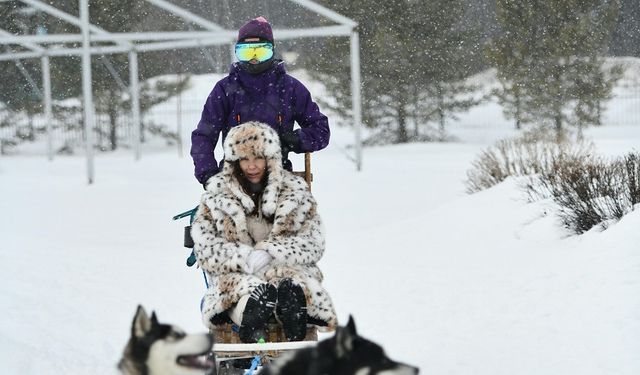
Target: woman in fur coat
258 236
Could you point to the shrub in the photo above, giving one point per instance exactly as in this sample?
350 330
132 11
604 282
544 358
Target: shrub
631 166
592 191
588 189
527 155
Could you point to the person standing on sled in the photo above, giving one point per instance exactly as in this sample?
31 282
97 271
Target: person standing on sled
258 235
257 89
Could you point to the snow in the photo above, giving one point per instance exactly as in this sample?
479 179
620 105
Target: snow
453 283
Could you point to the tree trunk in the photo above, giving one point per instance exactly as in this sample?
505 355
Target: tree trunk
416 112
580 135
518 110
558 126
113 118
32 130
441 113
557 106
142 139
403 137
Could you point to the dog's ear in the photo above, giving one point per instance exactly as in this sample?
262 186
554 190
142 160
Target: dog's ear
344 338
351 325
141 323
154 319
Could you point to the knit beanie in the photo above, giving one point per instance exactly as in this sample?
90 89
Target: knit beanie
256 28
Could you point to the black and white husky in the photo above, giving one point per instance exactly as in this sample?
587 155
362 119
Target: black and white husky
346 353
161 349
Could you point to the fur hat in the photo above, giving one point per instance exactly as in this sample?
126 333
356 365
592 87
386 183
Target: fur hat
256 28
254 139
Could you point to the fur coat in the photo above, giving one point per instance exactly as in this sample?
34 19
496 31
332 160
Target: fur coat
296 240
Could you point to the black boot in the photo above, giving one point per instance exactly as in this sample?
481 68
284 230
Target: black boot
257 312
292 310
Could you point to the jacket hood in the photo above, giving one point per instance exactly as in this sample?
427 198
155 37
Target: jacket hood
254 139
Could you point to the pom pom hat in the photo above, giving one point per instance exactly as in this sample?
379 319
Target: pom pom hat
256 28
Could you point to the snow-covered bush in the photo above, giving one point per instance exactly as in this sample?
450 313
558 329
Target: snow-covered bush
591 191
529 154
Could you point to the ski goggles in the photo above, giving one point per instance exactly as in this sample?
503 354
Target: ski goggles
260 51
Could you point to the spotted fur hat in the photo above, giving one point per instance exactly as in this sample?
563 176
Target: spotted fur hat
254 139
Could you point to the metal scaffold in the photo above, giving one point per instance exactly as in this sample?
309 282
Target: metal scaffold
134 43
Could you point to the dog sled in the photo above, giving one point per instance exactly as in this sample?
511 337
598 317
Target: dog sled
231 355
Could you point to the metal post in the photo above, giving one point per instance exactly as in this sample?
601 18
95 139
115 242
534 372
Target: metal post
355 95
134 86
48 118
179 117
87 93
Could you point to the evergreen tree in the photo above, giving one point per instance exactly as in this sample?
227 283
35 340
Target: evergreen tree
626 37
412 60
549 60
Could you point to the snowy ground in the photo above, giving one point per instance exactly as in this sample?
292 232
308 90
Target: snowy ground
452 283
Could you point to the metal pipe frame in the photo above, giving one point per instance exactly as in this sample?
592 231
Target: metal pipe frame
356 103
186 15
155 41
87 93
46 90
106 50
134 87
48 103
188 42
82 24
172 35
191 18
334 16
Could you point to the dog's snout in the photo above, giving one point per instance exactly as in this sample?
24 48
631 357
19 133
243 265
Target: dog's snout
416 371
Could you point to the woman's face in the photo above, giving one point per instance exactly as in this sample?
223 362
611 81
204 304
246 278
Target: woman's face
253 168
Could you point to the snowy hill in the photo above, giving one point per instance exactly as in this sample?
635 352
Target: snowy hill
453 283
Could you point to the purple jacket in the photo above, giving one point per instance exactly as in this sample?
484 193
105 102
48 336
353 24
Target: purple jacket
272 97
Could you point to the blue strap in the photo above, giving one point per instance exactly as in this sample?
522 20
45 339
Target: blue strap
254 365
206 282
191 213
191 260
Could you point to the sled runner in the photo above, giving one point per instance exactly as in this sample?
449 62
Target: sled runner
235 357
231 355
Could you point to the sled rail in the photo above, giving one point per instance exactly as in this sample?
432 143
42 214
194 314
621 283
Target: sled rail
264 347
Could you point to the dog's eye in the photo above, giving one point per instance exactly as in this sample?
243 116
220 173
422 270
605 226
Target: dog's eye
176 335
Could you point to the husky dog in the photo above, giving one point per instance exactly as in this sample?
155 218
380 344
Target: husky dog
161 349
346 353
